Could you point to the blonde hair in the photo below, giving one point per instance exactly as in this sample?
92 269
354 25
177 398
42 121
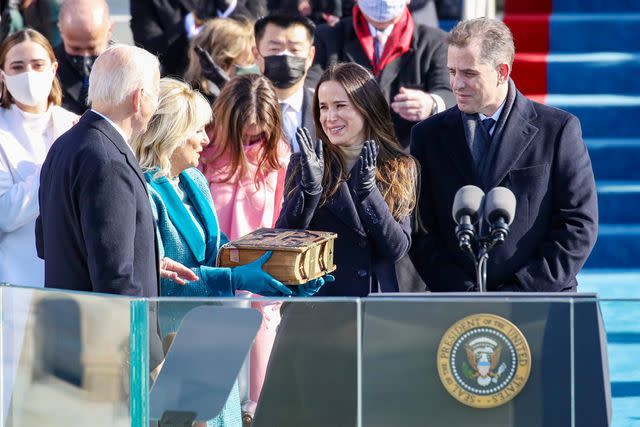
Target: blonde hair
28 35
227 41
181 112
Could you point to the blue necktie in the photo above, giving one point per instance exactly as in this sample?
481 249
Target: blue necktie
480 147
488 124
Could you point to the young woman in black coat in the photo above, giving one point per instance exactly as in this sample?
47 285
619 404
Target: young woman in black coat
355 181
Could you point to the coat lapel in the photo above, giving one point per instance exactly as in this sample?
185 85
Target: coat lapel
455 145
114 136
518 133
353 50
179 215
343 207
203 207
307 111
393 69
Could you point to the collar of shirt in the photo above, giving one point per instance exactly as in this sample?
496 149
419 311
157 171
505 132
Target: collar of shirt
229 11
374 31
117 128
495 116
295 101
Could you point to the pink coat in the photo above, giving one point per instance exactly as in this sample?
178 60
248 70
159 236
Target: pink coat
241 207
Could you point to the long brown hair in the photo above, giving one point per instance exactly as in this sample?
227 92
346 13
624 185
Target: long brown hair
245 100
397 173
55 96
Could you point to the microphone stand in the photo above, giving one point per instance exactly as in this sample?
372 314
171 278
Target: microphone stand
481 255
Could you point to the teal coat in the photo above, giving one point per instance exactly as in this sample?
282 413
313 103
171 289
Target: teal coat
180 240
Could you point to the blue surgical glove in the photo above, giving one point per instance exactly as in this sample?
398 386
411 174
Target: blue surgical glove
311 287
251 277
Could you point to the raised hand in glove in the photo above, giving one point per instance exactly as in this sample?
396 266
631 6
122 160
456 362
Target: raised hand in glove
365 179
311 287
251 277
210 69
311 162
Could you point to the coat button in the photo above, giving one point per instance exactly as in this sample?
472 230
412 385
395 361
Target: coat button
362 273
362 244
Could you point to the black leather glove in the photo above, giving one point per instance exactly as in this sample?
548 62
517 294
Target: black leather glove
210 69
365 181
311 162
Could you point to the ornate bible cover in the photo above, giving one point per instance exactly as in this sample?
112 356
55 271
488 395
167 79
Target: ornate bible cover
298 255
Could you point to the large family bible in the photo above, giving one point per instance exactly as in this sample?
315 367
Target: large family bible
298 255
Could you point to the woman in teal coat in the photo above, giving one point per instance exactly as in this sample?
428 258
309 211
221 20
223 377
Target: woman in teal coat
187 227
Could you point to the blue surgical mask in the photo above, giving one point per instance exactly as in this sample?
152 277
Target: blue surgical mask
382 10
246 69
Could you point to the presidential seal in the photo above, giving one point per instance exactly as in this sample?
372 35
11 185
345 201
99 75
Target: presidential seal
484 361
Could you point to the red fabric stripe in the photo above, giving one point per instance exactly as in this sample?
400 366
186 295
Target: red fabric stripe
530 73
529 23
530 32
528 6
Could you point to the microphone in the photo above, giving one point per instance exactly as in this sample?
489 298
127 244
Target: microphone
466 205
499 211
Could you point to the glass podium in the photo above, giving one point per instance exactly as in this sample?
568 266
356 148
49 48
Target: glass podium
417 359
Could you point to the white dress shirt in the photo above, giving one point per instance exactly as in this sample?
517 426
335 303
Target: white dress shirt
291 109
495 116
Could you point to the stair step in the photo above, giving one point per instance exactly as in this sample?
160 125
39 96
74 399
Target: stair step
612 284
616 201
575 32
615 159
593 6
578 73
594 32
600 115
618 246
623 359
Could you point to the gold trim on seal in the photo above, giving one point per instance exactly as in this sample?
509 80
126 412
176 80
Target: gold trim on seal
483 360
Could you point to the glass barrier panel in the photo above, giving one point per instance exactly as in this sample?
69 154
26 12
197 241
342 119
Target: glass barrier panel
65 359
622 325
482 360
281 363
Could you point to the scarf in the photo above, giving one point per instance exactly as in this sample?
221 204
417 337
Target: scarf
398 43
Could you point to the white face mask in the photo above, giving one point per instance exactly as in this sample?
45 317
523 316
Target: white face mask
382 10
30 88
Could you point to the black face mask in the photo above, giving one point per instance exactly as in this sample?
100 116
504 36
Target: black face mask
283 70
82 64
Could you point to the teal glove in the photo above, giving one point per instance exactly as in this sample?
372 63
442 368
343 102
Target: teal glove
311 287
251 277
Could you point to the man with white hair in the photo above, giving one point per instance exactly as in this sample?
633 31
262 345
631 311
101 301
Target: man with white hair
96 231
85 29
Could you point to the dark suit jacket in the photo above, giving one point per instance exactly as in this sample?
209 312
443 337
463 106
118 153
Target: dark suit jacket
424 67
95 231
370 241
307 111
541 158
73 97
158 26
